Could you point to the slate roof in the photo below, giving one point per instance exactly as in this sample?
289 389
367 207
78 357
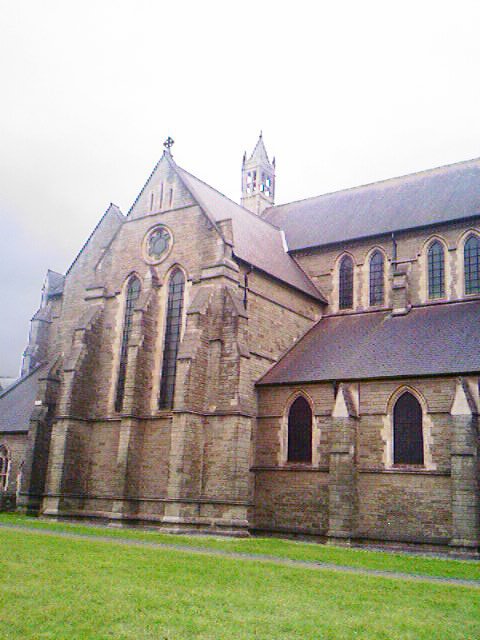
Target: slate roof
17 402
417 200
255 240
431 340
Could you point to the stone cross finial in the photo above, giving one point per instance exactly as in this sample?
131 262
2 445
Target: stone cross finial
168 144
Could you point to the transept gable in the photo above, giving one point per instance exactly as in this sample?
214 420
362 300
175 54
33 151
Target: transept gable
98 240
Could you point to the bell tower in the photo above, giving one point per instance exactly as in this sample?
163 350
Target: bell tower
258 179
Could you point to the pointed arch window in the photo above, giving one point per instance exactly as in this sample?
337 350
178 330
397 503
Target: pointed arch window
436 270
471 257
176 288
407 430
4 467
300 431
346 283
377 284
133 292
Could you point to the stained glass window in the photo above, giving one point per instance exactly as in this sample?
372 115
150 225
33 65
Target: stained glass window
300 431
133 291
173 329
436 271
346 283
407 430
471 258
376 279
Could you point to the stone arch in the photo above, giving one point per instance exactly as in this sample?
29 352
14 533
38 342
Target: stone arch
161 314
367 277
423 263
345 281
120 346
462 288
298 440
388 431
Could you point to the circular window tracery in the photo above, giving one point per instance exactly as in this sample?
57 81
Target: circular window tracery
157 244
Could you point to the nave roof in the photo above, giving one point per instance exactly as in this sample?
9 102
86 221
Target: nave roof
421 199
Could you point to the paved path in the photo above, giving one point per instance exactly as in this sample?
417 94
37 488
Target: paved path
304 564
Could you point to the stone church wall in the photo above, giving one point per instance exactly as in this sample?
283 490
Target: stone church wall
388 503
322 263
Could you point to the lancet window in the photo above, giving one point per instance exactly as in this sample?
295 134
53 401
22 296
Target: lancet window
176 288
300 431
133 291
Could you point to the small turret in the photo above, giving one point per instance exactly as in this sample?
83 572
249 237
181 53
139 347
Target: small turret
258 179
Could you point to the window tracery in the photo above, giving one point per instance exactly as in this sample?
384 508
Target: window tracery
377 285
345 295
471 259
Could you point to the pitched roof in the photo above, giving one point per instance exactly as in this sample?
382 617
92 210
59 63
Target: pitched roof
255 240
18 401
430 340
420 199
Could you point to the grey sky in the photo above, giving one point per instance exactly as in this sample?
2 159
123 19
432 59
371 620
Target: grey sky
345 92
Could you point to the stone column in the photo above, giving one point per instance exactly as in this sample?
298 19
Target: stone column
341 488
36 460
465 470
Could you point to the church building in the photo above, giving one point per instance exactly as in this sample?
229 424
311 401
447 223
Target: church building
310 368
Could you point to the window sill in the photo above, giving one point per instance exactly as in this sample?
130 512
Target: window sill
418 470
291 466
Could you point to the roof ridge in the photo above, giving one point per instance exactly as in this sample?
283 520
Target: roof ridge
230 199
374 183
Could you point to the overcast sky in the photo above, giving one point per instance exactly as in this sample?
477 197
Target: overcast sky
346 93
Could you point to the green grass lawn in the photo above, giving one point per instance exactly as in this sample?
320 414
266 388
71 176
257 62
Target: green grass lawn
422 565
61 588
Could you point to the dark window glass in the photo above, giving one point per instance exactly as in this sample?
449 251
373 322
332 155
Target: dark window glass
176 288
376 279
436 271
472 265
346 283
407 431
133 291
300 431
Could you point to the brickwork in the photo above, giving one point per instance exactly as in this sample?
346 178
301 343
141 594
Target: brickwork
366 496
322 264
217 460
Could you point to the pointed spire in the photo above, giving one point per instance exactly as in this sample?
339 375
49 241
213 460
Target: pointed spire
258 179
259 154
